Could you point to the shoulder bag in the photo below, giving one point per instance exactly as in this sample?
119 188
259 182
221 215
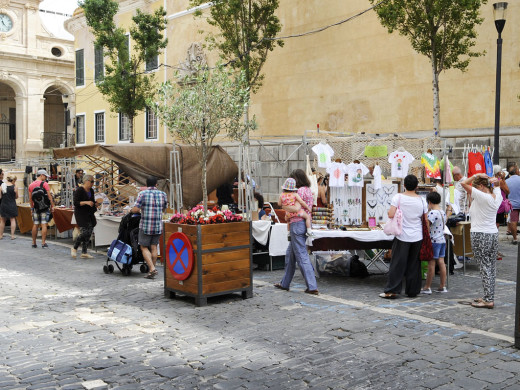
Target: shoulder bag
426 252
394 226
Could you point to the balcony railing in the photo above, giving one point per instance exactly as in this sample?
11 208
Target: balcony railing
57 140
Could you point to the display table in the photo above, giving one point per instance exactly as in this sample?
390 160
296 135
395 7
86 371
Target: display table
64 218
24 219
334 240
106 230
358 239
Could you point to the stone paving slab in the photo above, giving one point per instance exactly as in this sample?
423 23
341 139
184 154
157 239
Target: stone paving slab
65 323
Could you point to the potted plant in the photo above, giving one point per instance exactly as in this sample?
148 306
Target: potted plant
195 110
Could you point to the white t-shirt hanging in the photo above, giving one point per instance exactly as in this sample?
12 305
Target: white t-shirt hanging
324 153
377 177
400 162
356 173
337 173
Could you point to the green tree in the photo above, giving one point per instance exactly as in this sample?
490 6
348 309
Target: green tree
442 30
245 34
202 106
246 29
125 84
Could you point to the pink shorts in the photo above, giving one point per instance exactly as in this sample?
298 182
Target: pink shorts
514 215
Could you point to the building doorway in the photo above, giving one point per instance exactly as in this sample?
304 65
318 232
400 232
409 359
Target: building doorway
55 120
7 123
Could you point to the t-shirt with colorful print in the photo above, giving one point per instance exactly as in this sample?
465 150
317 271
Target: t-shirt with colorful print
431 165
475 163
399 161
324 153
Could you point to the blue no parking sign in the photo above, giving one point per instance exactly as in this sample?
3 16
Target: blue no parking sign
179 256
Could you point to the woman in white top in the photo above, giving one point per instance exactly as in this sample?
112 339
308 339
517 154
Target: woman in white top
485 202
406 247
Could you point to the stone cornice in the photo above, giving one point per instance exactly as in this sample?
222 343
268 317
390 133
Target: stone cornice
35 59
76 23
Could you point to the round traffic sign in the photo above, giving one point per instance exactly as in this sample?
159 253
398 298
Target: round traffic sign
179 256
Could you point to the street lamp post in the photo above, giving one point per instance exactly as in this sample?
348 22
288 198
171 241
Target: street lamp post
65 100
499 13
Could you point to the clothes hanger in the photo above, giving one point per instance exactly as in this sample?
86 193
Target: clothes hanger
356 161
401 149
429 151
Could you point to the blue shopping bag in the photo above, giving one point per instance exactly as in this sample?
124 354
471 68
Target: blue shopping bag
120 252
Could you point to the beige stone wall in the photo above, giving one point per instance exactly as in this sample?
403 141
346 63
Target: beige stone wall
356 77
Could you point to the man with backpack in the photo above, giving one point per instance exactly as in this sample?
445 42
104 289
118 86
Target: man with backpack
42 205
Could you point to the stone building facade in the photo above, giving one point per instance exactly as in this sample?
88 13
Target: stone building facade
37 71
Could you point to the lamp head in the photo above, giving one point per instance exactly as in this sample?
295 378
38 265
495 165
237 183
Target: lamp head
499 13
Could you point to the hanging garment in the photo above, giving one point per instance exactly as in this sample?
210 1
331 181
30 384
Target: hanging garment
475 163
324 153
314 182
431 165
400 160
448 173
337 173
488 163
356 173
377 177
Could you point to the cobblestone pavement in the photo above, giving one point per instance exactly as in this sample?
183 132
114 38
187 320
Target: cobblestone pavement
66 325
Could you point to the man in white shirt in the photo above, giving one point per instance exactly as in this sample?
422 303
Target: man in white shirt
458 178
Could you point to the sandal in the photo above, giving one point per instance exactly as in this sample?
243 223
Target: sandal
278 285
483 305
388 295
151 274
312 292
478 300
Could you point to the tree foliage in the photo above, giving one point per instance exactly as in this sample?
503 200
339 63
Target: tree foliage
125 84
246 29
200 107
442 30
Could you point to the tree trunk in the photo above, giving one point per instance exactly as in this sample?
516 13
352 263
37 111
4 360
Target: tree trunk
204 178
131 127
436 102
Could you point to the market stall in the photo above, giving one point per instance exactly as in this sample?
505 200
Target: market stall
365 172
120 169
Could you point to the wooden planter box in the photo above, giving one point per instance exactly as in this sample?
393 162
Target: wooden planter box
222 261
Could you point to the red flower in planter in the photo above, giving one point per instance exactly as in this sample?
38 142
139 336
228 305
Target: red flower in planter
196 216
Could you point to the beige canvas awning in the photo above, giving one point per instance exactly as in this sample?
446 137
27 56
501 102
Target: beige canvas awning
142 160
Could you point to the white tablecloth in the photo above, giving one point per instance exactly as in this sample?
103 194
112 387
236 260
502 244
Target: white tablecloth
261 231
278 243
106 229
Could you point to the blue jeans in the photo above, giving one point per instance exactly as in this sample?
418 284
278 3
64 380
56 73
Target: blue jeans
297 253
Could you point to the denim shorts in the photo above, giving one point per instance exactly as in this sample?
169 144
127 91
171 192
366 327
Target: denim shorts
439 250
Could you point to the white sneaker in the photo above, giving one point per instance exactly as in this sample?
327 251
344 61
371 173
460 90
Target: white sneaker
86 256
441 290
426 291
73 253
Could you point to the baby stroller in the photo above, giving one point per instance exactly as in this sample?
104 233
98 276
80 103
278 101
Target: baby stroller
128 233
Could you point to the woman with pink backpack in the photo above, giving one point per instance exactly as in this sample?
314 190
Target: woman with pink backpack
406 247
